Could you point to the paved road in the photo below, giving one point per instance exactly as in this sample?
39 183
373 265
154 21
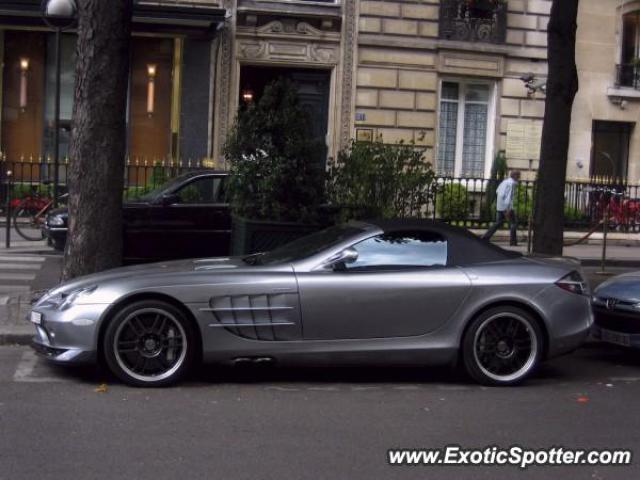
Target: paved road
308 424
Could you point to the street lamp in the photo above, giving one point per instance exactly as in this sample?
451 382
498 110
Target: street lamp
59 15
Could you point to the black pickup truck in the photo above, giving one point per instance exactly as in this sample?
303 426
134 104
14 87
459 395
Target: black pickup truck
187 217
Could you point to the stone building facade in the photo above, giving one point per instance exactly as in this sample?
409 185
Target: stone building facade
442 74
448 75
605 137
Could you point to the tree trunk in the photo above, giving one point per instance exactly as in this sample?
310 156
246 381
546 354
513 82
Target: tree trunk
98 137
562 85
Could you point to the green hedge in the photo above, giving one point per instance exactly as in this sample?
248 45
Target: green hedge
453 202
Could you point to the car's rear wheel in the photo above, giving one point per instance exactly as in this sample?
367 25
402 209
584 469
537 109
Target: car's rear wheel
149 344
502 346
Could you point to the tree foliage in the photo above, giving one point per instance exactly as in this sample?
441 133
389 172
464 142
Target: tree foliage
374 179
273 175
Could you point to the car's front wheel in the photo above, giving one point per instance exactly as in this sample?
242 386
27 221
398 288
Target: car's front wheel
502 346
149 344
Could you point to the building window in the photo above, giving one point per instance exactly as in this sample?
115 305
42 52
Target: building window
629 67
67 78
464 128
473 20
610 151
150 100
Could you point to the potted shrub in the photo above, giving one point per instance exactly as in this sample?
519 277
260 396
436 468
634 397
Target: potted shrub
275 186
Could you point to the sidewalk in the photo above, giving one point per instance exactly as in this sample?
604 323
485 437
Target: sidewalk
15 329
613 237
25 268
591 255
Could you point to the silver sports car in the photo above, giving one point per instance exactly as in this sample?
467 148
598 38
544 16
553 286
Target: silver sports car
397 292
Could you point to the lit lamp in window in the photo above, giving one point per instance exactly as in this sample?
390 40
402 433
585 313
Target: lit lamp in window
247 96
151 88
24 68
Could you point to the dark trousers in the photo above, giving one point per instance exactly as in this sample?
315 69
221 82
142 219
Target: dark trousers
500 218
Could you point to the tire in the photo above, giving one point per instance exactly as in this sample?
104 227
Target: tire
516 340
149 343
24 221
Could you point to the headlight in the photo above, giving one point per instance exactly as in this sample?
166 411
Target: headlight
63 300
56 221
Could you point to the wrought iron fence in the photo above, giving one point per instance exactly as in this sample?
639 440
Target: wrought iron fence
471 202
468 202
140 176
628 75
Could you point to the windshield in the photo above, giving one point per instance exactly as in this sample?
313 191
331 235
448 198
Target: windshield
306 246
155 193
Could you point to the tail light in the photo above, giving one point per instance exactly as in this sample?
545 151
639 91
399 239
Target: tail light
574 283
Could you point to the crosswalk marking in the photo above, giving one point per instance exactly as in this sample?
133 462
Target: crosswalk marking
27 370
20 266
21 258
20 246
16 274
14 288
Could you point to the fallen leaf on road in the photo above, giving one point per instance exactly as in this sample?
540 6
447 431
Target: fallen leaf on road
102 388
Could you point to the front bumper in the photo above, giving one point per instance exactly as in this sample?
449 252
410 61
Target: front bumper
58 234
62 356
632 338
69 336
619 325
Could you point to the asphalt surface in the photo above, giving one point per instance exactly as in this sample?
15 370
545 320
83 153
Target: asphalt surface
308 424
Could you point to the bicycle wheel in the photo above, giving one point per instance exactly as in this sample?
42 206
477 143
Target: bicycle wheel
26 223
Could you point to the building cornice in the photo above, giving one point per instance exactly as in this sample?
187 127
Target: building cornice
299 9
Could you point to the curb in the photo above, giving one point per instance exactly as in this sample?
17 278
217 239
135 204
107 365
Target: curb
596 262
10 338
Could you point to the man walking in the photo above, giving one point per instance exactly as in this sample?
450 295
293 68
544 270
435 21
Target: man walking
504 207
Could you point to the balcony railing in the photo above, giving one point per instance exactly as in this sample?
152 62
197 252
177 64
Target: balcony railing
473 20
628 75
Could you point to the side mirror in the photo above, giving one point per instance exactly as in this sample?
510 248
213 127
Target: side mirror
169 199
342 258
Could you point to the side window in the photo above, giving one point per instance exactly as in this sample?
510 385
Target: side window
223 192
397 250
202 191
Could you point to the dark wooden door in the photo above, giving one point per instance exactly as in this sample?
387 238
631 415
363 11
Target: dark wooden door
313 91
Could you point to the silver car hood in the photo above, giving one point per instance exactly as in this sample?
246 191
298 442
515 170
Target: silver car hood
217 264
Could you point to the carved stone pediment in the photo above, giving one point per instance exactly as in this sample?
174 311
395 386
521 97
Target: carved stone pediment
255 26
305 52
289 26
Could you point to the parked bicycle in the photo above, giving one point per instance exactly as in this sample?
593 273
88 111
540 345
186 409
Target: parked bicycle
624 213
30 214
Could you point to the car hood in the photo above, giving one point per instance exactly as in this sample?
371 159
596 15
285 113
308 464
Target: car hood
624 287
160 269
58 211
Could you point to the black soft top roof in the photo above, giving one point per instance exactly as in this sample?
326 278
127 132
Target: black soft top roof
465 248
